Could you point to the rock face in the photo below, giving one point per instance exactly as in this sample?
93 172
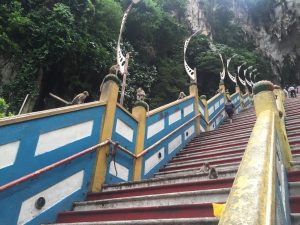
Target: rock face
278 39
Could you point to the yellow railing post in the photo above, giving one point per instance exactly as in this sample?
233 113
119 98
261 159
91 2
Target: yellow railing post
109 95
194 92
139 111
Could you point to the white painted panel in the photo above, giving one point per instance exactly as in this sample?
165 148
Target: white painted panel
124 130
201 110
8 153
202 129
52 195
189 132
152 161
122 171
174 144
217 105
155 128
175 117
211 110
188 109
222 101
55 139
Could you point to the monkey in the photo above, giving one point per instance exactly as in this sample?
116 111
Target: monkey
140 94
80 98
181 95
114 69
205 167
213 174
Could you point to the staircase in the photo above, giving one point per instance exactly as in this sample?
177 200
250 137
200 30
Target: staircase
292 108
180 193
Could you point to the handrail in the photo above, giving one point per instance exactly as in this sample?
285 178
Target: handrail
209 122
213 98
52 166
166 137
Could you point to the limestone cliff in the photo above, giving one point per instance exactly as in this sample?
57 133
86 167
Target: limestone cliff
277 36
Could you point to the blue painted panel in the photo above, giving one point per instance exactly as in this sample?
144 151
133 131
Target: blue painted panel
164 115
28 133
165 144
13 198
220 107
122 158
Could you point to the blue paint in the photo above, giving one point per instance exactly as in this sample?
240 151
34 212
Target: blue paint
12 198
220 107
121 157
28 133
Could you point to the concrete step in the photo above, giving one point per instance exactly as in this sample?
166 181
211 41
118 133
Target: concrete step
162 188
233 138
294 188
203 137
141 213
225 170
178 198
295 218
178 221
187 161
220 146
208 154
216 163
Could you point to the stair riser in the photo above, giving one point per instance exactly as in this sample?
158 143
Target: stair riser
183 158
295 204
193 197
221 147
219 141
183 211
294 188
294 176
202 137
198 165
203 160
204 176
194 186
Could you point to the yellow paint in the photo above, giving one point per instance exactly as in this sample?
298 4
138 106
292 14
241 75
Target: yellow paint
218 209
194 92
139 113
204 101
46 113
263 101
252 197
109 95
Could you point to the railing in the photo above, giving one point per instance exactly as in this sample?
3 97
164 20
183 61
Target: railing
49 150
260 191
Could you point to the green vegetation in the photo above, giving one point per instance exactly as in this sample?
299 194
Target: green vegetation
66 47
4 109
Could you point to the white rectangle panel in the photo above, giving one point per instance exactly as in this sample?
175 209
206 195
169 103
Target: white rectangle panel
155 128
153 160
212 126
211 110
124 130
188 109
175 143
174 117
202 129
221 101
217 105
189 132
52 195
55 139
8 153
122 171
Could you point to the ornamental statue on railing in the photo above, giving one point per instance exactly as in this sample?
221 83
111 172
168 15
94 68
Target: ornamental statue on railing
245 73
233 78
121 59
238 74
190 72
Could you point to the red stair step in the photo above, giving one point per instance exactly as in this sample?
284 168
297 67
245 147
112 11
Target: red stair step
294 176
295 204
173 188
144 213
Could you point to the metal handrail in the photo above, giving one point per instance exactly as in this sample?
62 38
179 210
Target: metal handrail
166 137
209 122
52 166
